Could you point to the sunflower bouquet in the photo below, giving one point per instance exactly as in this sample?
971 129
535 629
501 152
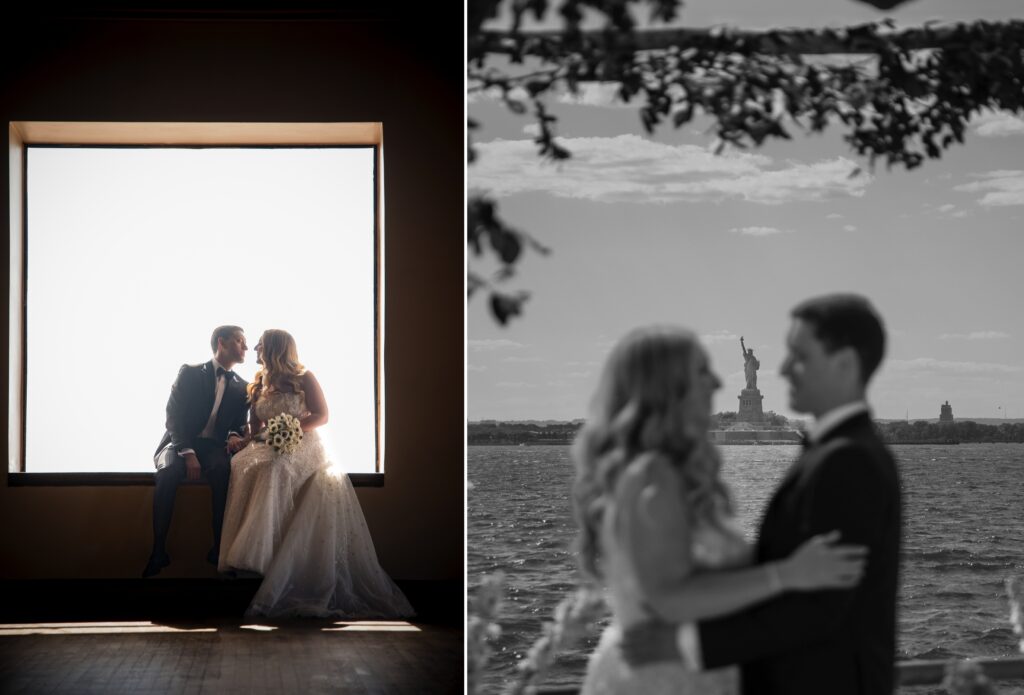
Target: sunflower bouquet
283 433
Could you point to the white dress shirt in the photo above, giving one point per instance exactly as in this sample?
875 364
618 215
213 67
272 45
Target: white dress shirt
687 637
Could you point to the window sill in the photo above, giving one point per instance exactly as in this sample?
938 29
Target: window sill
144 479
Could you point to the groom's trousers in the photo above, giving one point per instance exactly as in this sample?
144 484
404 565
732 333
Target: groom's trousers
216 467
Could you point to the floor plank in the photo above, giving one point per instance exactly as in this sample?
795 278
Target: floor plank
297 656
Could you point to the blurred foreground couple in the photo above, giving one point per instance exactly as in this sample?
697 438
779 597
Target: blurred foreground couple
811 608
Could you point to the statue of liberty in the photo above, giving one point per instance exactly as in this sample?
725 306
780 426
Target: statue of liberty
750 365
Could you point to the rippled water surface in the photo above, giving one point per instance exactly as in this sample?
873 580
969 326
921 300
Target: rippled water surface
964 534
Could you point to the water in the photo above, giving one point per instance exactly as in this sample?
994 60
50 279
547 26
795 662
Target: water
964 534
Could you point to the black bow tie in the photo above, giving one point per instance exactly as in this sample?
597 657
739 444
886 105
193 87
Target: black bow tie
229 374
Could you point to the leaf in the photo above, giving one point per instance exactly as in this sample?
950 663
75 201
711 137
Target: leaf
473 283
535 87
505 306
507 244
536 245
505 273
683 115
884 4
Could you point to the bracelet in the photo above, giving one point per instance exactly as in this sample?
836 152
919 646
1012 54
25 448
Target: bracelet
774 580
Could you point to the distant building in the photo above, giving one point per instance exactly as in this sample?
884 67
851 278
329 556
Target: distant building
946 412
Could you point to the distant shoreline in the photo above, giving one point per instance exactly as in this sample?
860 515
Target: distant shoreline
746 443
726 432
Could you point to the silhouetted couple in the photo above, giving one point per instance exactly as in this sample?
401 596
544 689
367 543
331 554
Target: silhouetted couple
696 610
286 513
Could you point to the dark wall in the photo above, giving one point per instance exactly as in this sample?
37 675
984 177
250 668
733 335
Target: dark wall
226 67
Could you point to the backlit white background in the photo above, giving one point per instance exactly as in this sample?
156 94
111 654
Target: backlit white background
136 255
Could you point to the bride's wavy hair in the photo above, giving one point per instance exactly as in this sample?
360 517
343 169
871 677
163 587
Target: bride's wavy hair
644 408
280 363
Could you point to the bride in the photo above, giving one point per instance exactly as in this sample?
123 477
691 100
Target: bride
656 522
293 517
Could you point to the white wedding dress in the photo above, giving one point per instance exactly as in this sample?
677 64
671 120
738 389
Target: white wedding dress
713 547
295 519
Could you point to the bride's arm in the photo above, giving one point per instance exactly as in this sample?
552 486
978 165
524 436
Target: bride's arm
659 541
255 424
316 404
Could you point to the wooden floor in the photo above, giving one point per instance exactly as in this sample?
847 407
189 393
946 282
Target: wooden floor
221 656
188 636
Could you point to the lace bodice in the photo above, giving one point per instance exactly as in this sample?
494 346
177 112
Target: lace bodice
272 404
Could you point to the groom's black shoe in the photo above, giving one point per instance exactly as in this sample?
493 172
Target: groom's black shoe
213 557
155 564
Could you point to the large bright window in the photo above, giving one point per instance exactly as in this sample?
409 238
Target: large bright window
133 255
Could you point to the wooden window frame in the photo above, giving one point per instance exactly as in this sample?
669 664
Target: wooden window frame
23 134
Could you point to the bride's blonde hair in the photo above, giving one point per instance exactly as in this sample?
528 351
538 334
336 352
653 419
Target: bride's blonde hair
644 408
281 364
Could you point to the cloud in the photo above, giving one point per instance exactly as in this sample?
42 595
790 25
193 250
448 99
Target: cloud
833 216
1003 187
531 129
474 96
516 359
632 169
514 385
475 368
719 337
975 335
997 124
947 207
929 365
757 231
849 228
489 345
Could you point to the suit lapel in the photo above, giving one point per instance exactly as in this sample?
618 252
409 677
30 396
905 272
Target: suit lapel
850 427
774 518
210 383
234 394
857 427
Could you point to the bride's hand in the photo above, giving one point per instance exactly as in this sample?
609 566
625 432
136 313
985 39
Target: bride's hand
236 444
821 564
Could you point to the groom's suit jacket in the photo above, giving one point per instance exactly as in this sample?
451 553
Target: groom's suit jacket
840 642
189 406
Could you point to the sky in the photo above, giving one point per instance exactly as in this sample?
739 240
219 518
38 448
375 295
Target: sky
136 255
657 229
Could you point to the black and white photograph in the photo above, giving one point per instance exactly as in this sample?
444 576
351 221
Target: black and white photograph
743 348
235 349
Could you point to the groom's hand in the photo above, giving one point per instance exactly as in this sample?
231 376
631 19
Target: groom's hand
235 443
192 469
648 643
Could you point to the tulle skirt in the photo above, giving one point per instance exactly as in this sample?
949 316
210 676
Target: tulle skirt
295 519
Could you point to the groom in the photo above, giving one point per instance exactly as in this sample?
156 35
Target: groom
841 641
206 416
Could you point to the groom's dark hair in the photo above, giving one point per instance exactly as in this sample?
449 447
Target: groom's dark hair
223 333
846 320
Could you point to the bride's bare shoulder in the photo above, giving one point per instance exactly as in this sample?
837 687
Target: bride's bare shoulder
649 489
308 380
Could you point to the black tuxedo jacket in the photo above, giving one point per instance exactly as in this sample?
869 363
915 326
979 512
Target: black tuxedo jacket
841 642
190 403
